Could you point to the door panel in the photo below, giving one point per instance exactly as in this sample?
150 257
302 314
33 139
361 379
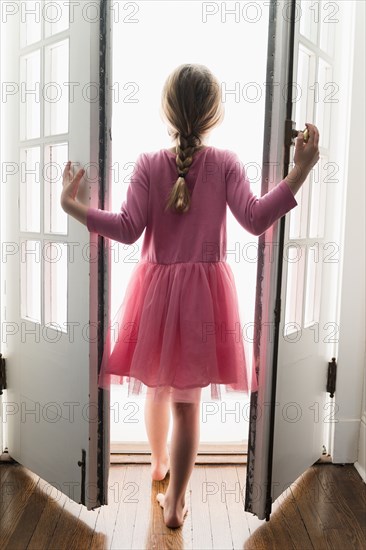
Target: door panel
291 416
308 327
51 402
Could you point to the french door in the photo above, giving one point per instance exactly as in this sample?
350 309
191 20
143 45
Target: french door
50 108
292 415
54 278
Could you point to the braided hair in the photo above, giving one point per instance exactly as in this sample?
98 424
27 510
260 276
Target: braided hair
191 104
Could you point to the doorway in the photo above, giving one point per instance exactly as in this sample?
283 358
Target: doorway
145 49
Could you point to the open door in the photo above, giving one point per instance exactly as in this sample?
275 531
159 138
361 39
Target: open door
297 334
51 94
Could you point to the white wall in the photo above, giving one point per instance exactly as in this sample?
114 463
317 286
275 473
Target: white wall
351 351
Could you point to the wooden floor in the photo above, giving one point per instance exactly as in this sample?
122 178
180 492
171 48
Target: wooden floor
324 508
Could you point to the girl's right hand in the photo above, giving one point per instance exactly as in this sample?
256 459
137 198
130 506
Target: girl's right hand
307 154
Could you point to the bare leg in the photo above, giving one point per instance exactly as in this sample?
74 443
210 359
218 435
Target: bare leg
157 419
185 441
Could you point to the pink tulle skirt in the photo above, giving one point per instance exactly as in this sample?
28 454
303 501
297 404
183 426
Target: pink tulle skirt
177 331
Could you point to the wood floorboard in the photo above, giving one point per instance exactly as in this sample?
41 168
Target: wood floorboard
66 525
295 525
126 515
105 525
29 519
233 490
335 494
325 508
343 482
219 520
20 485
200 515
306 502
43 532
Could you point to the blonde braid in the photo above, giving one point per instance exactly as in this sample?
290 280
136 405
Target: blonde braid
180 198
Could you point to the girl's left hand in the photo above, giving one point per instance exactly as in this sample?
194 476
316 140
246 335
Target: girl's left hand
70 184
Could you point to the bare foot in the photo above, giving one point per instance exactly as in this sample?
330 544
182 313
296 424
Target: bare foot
159 468
173 516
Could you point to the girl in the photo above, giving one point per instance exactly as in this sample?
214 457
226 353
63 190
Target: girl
178 328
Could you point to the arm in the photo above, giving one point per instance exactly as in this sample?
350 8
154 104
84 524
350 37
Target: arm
77 210
127 225
255 214
296 177
70 186
305 157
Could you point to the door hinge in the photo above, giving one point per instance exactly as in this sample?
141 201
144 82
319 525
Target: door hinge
331 378
2 374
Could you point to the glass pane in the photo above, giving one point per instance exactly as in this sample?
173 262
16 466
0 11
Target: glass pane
30 22
30 280
55 93
299 215
30 189
330 17
295 257
312 286
55 285
30 112
328 94
306 92
55 159
56 17
318 198
309 19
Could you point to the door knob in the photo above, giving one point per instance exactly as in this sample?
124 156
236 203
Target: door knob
291 133
305 132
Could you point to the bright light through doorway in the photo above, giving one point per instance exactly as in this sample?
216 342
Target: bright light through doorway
150 40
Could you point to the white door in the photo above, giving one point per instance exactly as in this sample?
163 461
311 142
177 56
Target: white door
50 76
294 413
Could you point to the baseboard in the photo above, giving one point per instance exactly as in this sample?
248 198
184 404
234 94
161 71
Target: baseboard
361 470
360 463
346 441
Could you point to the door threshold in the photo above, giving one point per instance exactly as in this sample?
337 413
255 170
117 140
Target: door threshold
232 452
202 458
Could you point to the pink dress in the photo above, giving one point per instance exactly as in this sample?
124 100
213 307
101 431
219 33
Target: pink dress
178 328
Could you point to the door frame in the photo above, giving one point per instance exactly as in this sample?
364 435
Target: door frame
351 359
99 267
